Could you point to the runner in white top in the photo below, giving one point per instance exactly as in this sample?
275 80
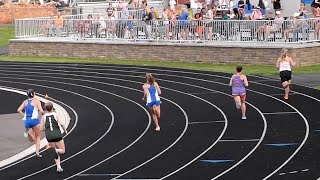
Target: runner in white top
285 64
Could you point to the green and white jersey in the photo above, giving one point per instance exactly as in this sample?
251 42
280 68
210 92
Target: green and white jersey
52 129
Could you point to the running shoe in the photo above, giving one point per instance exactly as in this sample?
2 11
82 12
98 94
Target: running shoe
158 128
243 117
238 105
59 170
38 156
25 134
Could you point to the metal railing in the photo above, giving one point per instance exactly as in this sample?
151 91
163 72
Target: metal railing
306 30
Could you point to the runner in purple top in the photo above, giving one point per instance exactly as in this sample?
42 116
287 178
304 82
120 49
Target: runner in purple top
239 82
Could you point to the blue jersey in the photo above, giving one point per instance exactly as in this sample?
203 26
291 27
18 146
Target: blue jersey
152 95
31 112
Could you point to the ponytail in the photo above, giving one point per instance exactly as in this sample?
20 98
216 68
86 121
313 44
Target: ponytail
150 78
284 54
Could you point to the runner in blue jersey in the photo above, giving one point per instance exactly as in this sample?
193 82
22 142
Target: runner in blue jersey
239 82
151 92
32 107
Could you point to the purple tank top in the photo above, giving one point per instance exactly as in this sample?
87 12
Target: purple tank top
238 87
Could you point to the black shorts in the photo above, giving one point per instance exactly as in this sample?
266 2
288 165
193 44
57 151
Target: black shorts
55 140
285 75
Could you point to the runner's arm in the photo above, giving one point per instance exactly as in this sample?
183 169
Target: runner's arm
62 124
19 110
245 80
230 83
145 92
158 88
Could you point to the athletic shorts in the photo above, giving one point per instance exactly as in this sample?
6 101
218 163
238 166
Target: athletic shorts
31 123
239 92
285 75
54 140
156 103
241 95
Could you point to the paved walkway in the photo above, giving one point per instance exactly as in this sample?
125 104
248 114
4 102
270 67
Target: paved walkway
12 140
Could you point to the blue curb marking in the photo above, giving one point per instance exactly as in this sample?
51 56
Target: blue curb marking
281 145
217 161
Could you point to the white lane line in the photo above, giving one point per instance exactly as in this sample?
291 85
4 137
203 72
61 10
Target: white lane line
98 174
195 93
182 71
206 122
262 93
273 79
238 140
263 134
282 94
43 142
75 124
264 80
138 179
304 139
184 131
101 136
278 113
162 151
293 172
176 141
212 145
119 96
112 120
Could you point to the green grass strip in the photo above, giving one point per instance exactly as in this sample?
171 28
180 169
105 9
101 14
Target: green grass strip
6 33
248 69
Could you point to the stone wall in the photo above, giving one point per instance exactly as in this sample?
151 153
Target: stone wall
234 54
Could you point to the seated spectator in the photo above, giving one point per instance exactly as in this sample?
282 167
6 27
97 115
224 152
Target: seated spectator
183 24
265 27
165 17
148 19
241 9
155 13
58 24
88 25
101 25
317 25
256 14
208 19
132 28
315 5
110 10
111 27
198 18
47 28
302 11
295 27
276 25
291 27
